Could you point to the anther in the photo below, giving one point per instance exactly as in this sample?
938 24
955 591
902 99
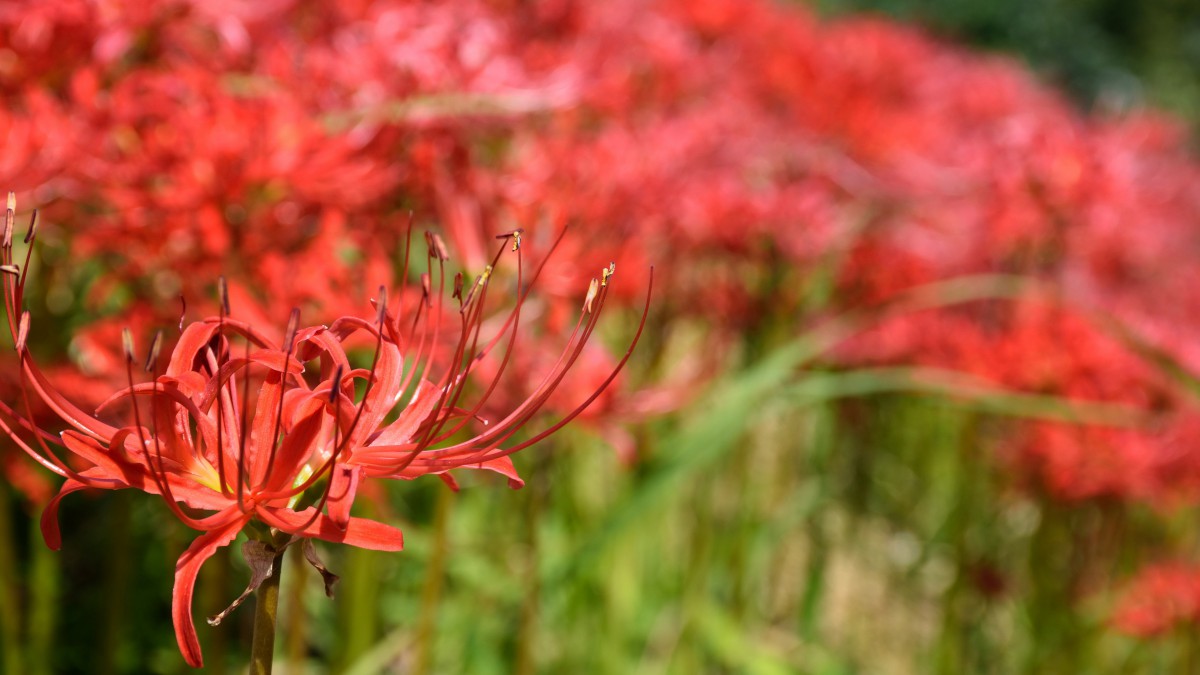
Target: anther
426 289
606 273
10 216
515 235
381 310
32 227
182 311
155 348
10 269
337 385
458 287
437 247
22 331
593 291
293 324
127 343
223 292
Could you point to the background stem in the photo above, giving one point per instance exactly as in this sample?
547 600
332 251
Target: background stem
10 599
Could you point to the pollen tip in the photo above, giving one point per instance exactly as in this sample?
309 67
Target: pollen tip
515 235
223 292
381 309
127 344
607 273
437 247
9 217
22 332
293 325
155 348
33 223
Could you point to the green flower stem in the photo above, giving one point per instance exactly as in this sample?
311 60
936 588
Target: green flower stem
266 616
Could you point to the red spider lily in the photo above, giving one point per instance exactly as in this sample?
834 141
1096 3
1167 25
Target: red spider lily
285 456
1161 597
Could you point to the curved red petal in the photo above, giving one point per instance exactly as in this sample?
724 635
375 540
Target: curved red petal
185 583
360 532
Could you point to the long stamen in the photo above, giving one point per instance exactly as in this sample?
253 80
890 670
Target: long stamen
222 311
28 250
343 446
159 473
243 433
432 432
335 397
604 385
514 320
289 341
47 457
481 448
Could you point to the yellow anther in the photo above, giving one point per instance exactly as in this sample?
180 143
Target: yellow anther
606 273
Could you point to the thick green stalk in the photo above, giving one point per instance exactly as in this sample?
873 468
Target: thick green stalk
266 616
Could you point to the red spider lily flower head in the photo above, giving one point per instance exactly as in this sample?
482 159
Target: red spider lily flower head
1161 597
236 430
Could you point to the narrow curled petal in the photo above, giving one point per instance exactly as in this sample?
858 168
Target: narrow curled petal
185 583
360 532
504 466
49 522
